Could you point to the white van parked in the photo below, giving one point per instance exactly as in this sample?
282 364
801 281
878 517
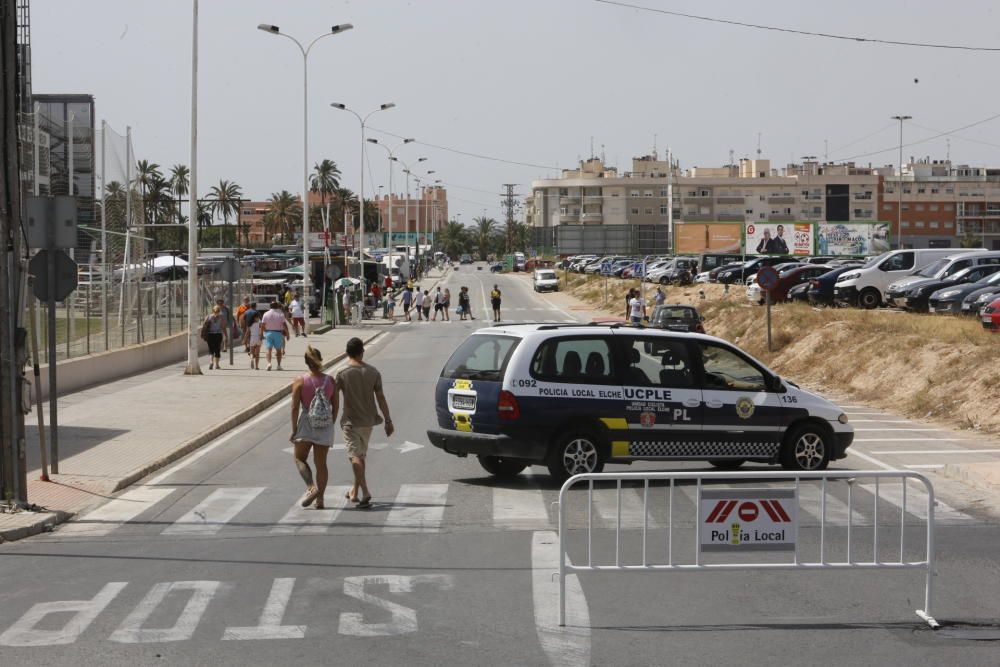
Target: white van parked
866 286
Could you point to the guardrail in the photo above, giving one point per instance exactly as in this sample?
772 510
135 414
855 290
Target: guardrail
749 504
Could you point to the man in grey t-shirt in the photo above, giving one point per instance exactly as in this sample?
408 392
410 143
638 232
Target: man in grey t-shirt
361 386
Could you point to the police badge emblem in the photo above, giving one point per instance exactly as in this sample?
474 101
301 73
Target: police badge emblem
744 407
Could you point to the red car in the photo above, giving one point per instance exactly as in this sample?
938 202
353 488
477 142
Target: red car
990 316
795 276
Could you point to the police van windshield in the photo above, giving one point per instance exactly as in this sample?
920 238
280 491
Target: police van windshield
481 357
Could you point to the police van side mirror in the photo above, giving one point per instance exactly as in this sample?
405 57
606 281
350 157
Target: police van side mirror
775 384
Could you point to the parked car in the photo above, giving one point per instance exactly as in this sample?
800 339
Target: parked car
497 267
679 270
619 266
739 274
710 261
799 293
465 259
866 287
942 268
990 316
918 295
975 302
713 275
545 280
952 298
820 291
677 318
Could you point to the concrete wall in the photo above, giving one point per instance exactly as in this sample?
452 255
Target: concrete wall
83 372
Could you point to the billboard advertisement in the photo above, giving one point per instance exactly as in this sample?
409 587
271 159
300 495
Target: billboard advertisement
407 238
852 238
779 238
694 238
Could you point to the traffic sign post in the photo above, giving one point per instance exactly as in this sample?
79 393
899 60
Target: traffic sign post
52 226
767 278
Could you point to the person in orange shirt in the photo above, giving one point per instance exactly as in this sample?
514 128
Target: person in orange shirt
240 324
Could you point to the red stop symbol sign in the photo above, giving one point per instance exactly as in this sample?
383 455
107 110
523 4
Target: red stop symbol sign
748 511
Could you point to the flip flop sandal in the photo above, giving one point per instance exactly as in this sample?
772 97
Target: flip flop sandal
310 496
348 496
366 503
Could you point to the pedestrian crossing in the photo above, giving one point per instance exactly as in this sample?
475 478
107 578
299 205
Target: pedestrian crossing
427 508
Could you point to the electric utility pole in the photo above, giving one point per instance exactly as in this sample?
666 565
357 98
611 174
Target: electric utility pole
509 203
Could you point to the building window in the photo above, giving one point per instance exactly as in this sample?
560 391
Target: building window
664 193
635 211
614 193
920 207
949 224
921 191
934 207
919 224
949 191
762 197
649 211
749 211
949 207
762 216
935 224
664 210
705 193
934 191
907 191
563 192
634 193
648 193
886 207
692 193
788 211
889 190
906 207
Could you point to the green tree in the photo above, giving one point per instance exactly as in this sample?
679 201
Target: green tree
226 197
453 238
180 183
325 180
280 215
147 173
483 234
970 239
522 236
345 202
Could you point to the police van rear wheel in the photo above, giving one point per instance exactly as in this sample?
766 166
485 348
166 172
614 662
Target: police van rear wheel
575 453
807 448
501 467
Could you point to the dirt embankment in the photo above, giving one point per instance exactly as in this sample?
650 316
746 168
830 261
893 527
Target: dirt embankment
940 368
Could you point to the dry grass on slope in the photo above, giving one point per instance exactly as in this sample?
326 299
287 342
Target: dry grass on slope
924 366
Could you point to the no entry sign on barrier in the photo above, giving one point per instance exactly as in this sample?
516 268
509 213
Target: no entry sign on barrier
747 520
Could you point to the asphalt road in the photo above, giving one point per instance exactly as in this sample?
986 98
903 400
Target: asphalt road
211 562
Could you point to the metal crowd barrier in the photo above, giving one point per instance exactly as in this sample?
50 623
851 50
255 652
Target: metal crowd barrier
798 563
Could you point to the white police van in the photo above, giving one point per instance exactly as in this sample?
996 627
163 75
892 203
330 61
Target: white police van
574 397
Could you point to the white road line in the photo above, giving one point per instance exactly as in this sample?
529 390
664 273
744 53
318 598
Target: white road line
939 451
871 459
564 646
911 440
881 421
916 502
810 496
520 509
418 507
924 466
606 504
914 430
300 520
210 515
114 513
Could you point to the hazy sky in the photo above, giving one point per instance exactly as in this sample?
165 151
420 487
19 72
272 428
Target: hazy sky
526 80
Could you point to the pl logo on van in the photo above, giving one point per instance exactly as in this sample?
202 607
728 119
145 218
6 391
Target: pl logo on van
747 520
744 407
647 419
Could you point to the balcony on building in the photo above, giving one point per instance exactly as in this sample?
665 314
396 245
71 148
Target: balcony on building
782 199
731 217
569 217
699 217
592 216
569 199
729 199
781 217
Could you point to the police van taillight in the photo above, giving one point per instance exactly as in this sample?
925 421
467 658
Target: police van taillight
507 406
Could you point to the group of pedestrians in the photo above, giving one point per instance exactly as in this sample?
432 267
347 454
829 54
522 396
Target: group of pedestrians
254 329
316 401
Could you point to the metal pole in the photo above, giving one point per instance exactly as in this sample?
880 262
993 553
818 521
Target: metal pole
361 205
53 403
192 277
305 194
39 403
670 202
104 235
767 297
70 314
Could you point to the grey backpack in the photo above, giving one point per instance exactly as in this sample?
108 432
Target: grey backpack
320 411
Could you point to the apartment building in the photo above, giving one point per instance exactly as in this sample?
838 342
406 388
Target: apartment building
424 214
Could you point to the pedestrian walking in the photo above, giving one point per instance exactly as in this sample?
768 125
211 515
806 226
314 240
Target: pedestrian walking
315 404
287 299
407 300
446 304
361 386
227 322
463 302
628 301
659 297
418 303
427 306
438 302
468 303
275 332
298 315
388 283
390 304
346 300
495 302
211 331
252 339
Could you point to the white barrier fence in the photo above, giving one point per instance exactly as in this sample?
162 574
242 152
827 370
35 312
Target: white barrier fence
733 520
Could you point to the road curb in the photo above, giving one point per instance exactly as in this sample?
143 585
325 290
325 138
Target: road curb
47 520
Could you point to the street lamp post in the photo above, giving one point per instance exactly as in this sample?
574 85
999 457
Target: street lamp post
192 367
392 158
274 30
406 209
361 192
899 183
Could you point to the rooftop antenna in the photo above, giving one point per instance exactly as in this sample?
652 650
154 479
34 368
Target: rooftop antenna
826 150
758 145
591 147
602 153
948 153
654 147
732 161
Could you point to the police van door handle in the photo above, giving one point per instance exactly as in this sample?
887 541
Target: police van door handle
691 403
714 404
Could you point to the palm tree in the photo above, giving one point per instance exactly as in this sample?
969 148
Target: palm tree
227 196
146 174
180 183
372 222
280 214
325 180
344 202
483 233
453 238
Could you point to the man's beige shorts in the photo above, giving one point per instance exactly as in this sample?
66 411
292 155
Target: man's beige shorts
356 439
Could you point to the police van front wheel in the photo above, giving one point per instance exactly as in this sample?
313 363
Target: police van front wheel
575 453
501 467
806 448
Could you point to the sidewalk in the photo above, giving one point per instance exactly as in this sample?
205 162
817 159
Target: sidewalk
112 435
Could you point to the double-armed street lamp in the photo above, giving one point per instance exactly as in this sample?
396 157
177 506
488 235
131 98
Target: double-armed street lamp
275 30
363 120
392 158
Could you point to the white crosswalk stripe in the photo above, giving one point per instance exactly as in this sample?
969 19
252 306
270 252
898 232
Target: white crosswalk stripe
916 503
418 507
300 520
632 508
210 515
520 509
810 496
119 511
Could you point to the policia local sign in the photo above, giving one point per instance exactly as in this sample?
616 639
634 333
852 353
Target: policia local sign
732 520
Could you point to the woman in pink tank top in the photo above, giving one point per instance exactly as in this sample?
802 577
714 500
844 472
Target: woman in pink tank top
313 425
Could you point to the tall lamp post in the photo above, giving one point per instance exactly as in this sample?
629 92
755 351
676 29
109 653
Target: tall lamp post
361 193
192 367
392 158
409 172
335 30
899 183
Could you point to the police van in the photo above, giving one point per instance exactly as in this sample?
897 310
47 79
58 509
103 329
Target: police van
574 397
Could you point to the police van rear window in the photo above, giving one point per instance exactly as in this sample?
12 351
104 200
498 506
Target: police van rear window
482 357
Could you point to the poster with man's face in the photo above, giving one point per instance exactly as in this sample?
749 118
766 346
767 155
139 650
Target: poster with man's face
778 238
